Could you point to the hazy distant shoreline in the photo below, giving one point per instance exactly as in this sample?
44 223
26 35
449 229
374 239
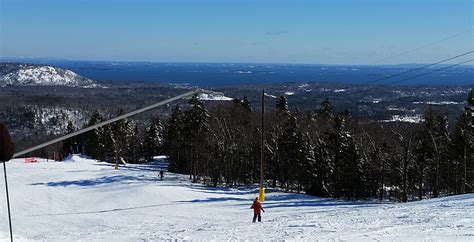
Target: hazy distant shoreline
226 74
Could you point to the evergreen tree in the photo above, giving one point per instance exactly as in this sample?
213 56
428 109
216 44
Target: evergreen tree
246 105
114 140
470 99
69 145
322 169
91 144
431 152
287 148
108 144
174 141
461 150
442 141
154 139
121 133
136 151
297 158
326 109
196 128
421 162
236 101
425 162
345 166
236 125
383 162
273 133
282 105
403 166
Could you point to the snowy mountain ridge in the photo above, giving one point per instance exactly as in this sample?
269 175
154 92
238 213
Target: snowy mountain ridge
29 75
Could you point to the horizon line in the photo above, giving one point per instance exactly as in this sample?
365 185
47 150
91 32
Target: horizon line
17 58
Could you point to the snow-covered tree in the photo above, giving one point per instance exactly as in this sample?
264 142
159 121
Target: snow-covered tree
297 158
92 138
326 108
461 150
136 152
282 105
345 169
68 145
195 131
174 141
154 138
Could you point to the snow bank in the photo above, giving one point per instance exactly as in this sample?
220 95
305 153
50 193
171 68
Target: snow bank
160 157
77 158
211 97
405 118
440 103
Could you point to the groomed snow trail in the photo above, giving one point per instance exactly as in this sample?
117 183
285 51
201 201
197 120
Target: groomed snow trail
87 200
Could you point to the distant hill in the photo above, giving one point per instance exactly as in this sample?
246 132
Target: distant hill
18 74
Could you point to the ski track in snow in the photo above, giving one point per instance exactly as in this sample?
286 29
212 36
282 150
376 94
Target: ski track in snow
89 200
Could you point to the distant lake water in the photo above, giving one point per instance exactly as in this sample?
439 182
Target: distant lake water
223 74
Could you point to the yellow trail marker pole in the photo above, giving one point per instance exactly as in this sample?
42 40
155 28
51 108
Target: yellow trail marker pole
261 195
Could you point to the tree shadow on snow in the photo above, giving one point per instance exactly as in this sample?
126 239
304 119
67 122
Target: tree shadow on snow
97 181
300 200
101 211
214 199
225 190
134 167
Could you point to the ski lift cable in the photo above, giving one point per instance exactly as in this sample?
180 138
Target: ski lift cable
418 68
413 70
416 76
141 110
423 74
435 70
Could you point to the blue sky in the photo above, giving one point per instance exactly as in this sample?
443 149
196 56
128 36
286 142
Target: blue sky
270 31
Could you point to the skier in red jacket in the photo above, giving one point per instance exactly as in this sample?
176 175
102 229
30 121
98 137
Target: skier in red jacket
257 206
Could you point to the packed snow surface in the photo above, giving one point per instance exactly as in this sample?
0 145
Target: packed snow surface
88 200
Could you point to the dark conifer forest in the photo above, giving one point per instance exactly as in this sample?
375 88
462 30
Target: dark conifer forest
322 153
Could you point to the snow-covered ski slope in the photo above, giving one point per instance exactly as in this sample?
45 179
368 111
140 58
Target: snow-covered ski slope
88 200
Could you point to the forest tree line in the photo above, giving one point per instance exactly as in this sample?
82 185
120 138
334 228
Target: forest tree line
320 153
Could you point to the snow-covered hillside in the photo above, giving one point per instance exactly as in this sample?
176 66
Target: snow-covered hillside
54 120
27 74
88 200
